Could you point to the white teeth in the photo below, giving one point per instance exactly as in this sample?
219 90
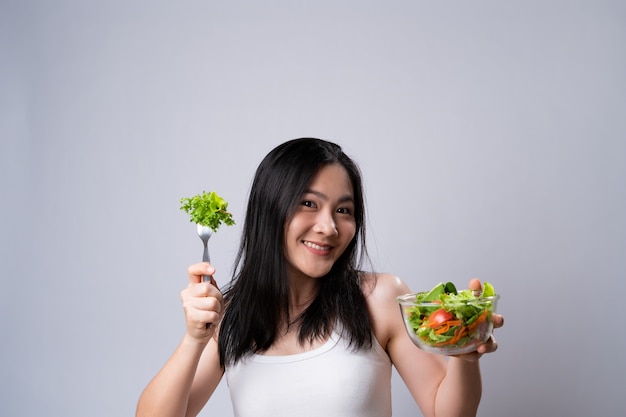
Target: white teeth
317 247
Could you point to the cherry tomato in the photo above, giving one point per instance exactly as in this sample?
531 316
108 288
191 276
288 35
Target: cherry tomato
439 316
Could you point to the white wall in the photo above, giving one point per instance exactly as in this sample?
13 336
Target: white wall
491 135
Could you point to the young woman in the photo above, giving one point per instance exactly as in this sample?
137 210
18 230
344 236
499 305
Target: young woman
302 330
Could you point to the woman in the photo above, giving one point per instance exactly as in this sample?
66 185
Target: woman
301 330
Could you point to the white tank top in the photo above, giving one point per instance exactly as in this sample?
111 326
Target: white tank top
329 381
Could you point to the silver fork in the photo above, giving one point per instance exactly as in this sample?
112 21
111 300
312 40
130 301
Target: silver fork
205 233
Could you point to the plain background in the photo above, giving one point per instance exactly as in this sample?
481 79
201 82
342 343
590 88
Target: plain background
491 135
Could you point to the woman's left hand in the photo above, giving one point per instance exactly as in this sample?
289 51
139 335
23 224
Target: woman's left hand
489 346
498 321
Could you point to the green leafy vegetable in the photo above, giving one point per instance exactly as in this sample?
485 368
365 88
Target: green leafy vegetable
488 290
207 209
446 317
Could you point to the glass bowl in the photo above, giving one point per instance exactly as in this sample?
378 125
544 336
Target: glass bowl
449 328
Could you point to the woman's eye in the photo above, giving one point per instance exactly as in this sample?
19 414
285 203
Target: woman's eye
308 203
344 210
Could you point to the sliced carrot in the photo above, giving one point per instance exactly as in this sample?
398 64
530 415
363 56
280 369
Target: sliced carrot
479 320
448 323
442 330
460 332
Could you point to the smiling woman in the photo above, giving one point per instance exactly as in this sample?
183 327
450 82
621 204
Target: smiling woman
302 329
305 219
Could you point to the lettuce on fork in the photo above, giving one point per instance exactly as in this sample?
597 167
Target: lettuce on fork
207 209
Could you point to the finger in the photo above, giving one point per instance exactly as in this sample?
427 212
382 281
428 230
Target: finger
201 290
475 286
202 319
490 346
201 309
204 304
196 271
497 320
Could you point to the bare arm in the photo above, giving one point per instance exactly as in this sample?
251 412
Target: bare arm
441 387
191 374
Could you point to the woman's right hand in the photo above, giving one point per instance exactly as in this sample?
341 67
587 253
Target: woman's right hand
202 303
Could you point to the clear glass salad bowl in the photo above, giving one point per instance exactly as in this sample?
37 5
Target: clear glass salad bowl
450 326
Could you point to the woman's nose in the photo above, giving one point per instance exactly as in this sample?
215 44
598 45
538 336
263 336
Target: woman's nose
326 224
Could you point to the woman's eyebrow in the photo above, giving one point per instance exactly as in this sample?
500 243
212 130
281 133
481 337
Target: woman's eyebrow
347 197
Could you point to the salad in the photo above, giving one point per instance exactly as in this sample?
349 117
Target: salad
445 320
207 209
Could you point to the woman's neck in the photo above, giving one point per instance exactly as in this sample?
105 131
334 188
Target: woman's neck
302 292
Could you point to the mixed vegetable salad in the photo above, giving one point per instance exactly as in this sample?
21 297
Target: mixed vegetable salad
446 318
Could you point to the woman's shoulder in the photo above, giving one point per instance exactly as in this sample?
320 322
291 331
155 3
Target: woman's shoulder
383 286
381 292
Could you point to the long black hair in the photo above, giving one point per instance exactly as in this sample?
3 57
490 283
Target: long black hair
257 300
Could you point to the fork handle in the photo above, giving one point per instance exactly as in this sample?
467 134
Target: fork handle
206 258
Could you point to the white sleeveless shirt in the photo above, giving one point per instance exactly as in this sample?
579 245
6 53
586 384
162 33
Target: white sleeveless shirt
330 381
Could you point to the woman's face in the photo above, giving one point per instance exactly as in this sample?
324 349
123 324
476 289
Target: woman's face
323 224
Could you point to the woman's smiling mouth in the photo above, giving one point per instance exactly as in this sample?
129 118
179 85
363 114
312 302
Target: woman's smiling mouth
316 247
